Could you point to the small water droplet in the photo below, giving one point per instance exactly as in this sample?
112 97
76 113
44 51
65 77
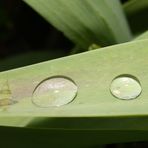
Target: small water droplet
55 91
125 87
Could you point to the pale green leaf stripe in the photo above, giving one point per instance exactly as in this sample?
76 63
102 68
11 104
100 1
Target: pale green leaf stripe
86 22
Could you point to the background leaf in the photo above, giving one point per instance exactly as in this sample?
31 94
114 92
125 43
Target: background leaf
25 137
137 14
32 58
86 22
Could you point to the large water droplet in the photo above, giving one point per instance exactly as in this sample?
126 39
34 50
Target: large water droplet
125 87
55 91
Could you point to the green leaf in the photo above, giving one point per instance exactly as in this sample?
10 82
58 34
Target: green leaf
137 12
86 22
79 68
25 137
95 116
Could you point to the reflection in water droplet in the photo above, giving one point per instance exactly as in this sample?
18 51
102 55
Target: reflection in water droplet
55 91
125 87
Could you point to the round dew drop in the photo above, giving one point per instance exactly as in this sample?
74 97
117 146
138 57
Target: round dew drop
55 91
125 87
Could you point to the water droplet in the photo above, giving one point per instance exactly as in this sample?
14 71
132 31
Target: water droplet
125 87
55 91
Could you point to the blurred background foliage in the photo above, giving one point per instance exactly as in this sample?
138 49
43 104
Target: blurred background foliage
26 38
